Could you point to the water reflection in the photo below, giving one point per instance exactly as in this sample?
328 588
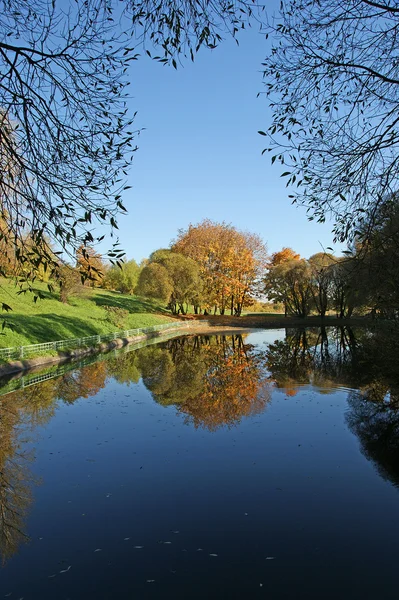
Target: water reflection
333 357
214 382
364 360
20 414
376 424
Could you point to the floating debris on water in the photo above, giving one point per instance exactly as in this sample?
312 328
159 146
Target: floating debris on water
66 570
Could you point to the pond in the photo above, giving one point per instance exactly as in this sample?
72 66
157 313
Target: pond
255 466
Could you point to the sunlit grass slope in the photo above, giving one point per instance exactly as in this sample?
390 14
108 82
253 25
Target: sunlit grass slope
48 319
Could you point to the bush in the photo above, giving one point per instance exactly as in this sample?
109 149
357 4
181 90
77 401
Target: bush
117 316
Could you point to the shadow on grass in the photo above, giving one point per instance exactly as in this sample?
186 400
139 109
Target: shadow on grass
49 327
133 304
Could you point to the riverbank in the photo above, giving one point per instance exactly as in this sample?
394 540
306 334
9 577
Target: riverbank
93 312
189 325
187 328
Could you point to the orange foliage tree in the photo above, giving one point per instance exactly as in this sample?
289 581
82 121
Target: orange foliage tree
230 264
90 265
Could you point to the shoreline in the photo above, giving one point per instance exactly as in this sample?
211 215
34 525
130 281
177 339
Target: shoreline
190 325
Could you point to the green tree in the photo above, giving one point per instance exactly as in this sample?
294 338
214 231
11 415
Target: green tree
290 282
345 284
154 282
184 277
123 277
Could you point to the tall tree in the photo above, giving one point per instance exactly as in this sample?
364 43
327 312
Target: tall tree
290 282
320 265
123 277
332 77
230 263
273 284
154 282
183 276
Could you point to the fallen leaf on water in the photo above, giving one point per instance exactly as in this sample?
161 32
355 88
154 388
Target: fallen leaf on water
66 570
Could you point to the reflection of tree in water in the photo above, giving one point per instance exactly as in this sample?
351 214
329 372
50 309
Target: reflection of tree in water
364 360
315 356
376 424
20 413
214 381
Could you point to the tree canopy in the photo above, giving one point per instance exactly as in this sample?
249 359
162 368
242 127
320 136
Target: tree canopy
230 262
333 81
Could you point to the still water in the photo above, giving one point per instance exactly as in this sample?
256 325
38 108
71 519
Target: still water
262 466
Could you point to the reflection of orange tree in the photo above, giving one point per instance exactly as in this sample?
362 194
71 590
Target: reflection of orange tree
233 386
82 383
19 414
214 381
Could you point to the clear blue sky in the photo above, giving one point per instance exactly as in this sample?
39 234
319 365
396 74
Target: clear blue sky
200 154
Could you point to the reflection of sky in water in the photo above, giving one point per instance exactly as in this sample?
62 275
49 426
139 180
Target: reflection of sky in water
266 336
137 503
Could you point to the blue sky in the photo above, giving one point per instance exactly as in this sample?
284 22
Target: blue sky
200 154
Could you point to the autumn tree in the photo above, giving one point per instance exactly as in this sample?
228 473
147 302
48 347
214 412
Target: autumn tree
273 287
290 282
90 265
334 102
70 282
230 263
282 256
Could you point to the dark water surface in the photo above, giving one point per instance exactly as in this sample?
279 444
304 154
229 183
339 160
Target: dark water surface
218 467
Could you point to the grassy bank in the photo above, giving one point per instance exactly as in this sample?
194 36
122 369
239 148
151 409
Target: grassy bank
48 319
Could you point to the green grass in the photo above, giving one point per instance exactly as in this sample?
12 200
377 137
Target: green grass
48 319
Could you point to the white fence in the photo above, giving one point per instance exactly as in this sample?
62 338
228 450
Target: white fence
21 382
20 352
